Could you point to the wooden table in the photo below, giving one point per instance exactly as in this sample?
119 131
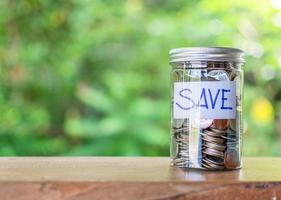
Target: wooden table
82 178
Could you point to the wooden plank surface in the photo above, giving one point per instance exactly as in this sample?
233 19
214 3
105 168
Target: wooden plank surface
133 178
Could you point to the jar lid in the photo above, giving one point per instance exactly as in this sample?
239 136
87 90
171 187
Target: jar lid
206 54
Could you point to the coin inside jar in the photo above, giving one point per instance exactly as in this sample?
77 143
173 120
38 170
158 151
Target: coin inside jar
213 152
215 146
213 139
233 75
217 131
214 160
214 166
231 158
178 123
202 123
177 75
220 75
212 133
220 124
232 124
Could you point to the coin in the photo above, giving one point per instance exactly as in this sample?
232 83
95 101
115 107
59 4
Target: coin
231 158
231 132
218 147
181 162
230 140
202 123
183 147
211 133
208 78
195 74
177 75
181 130
183 137
232 124
217 131
237 80
178 123
213 152
186 123
220 75
204 74
214 139
206 165
214 160
214 166
220 124
233 75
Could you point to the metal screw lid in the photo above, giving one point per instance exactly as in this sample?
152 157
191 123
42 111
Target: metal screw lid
206 54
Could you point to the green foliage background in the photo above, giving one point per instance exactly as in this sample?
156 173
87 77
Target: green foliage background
84 77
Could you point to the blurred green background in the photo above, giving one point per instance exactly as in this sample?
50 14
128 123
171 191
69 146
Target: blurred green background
84 77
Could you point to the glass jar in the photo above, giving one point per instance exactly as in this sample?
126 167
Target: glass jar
206 107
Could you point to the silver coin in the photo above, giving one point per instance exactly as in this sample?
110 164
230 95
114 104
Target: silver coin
182 138
184 155
195 74
183 141
238 92
214 160
186 123
204 165
213 152
177 75
220 75
218 147
213 166
211 133
208 78
178 123
231 133
180 162
232 124
183 149
214 139
218 130
230 139
183 145
181 130
202 123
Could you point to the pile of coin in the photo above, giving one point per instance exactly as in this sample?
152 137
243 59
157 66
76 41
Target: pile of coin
214 145
180 131
218 147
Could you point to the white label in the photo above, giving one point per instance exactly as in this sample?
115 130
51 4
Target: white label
205 100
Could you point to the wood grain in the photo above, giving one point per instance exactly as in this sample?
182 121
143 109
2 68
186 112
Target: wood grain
84 178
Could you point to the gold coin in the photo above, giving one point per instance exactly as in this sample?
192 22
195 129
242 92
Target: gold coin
231 159
220 124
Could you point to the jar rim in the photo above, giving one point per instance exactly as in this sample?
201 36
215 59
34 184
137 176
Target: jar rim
206 54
